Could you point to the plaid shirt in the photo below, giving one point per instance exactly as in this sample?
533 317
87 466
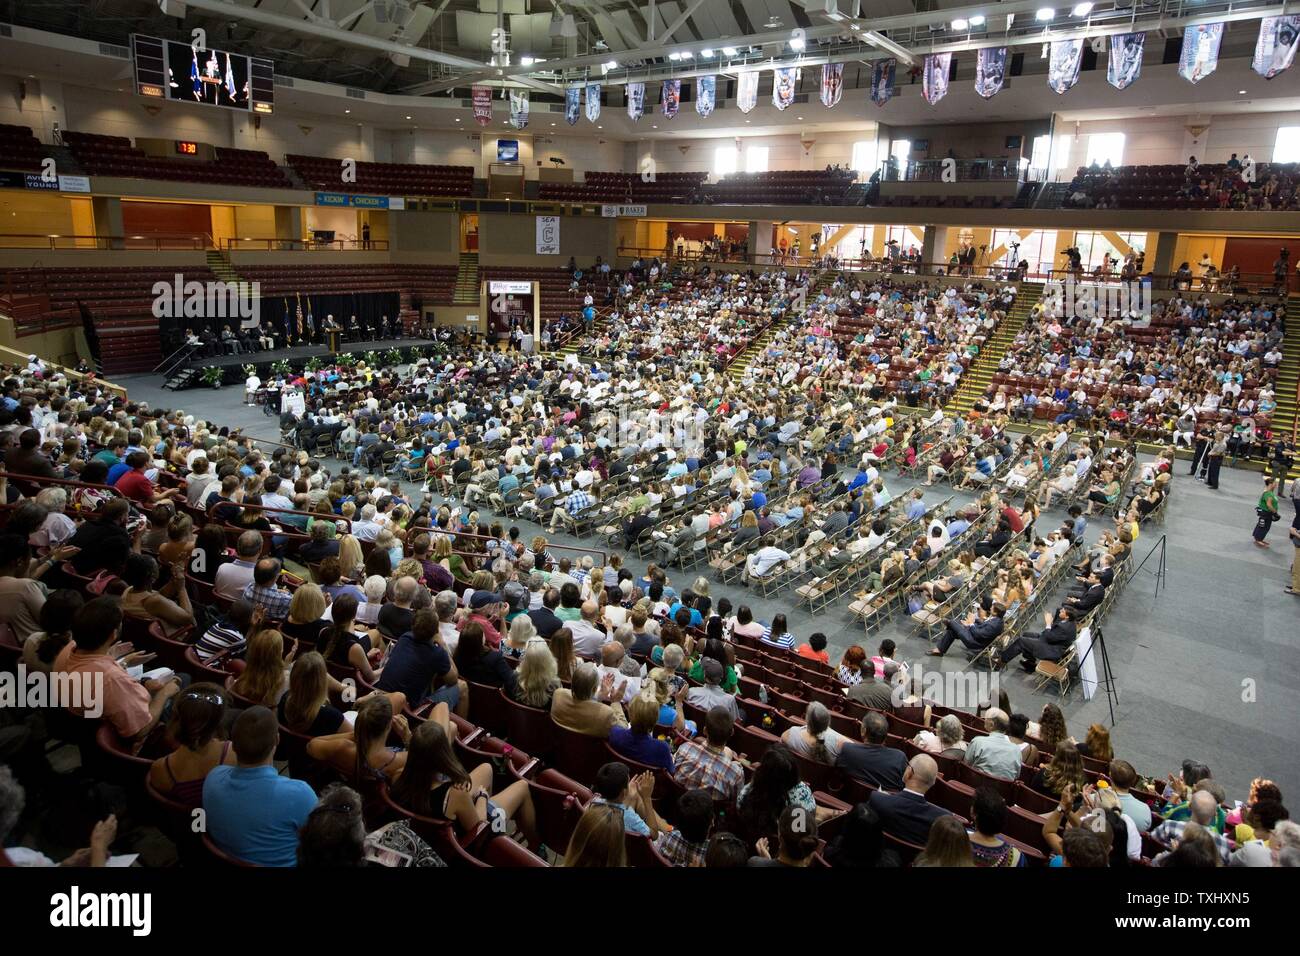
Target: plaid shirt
678 852
578 501
698 766
275 600
1171 831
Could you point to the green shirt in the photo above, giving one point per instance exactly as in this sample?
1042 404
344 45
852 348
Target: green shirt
1268 502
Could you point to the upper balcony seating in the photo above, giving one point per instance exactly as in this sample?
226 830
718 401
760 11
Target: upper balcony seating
115 156
782 187
399 179
1211 186
609 187
19 149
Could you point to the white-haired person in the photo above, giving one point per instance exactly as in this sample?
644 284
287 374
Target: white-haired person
375 587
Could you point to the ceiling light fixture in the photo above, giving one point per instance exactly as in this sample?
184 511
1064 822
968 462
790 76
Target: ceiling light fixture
960 25
706 52
611 65
796 43
1082 9
674 57
1044 14
977 20
728 51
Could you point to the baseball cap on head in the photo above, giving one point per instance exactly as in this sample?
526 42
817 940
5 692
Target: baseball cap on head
481 599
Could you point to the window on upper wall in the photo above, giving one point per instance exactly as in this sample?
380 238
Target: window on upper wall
1286 148
864 157
756 159
1105 148
724 160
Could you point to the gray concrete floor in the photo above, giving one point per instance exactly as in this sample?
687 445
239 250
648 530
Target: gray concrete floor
1208 669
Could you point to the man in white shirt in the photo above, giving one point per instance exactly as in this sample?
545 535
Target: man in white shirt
761 563
366 528
611 658
588 636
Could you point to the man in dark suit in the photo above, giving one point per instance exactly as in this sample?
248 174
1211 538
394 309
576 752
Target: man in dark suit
874 763
1081 604
1049 644
973 631
544 618
907 815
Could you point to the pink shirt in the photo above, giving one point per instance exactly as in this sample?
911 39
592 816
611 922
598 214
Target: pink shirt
124 700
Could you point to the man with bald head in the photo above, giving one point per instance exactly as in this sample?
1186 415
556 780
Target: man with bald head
589 635
907 814
1204 812
611 660
994 753
264 592
234 576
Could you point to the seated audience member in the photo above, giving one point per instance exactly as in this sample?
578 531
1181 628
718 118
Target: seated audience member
334 836
57 613
711 694
872 762
13 801
907 814
598 839
815 649
687 843
252 812
860 844
872 691
616 787
265 676
420 667
305 708
537 678
707 762
946 739
994 753
590 705
361 751
195 724
435 784
815 740
233 577
796 840
774 786
477 663
989 814
637 741
169 606
946 845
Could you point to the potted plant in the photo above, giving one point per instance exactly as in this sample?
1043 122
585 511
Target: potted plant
314 364
282 368
346 360
393 357
212 375
372 358
413 355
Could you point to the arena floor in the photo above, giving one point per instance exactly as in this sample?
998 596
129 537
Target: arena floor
1208 669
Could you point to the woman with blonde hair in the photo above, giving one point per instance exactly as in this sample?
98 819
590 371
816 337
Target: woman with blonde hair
263 679
522 630
1065 770
306 613
385 540
1096 744
306 708
562 648
598 839
537 677
948 845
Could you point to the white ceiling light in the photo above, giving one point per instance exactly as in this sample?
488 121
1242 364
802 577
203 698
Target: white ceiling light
687 55
526 61
674 57
959 24
706 52
977 20
796 43
611 65
728 51
1044 14
1082 9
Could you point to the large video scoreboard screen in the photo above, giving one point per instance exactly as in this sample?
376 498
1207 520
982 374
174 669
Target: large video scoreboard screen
178 71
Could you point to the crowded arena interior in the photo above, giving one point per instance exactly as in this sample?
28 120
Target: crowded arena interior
703 433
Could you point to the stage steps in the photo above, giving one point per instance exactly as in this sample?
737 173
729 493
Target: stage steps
466 291
980 374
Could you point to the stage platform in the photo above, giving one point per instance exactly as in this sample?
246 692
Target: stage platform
301 353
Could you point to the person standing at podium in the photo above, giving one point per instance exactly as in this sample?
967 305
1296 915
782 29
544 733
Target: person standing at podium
332 330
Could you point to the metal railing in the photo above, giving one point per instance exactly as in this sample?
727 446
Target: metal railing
269 244
1002 169
99 242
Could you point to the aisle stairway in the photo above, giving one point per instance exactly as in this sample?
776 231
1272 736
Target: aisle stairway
1288 377
740 365
980 373
466 291
221 266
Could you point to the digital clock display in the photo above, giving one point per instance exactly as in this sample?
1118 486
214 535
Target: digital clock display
187 148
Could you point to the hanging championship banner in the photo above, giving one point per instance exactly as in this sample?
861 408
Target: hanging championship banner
593 102
882 81
519 108
934 78
672 97
572 106
1124 65
1200 55
706 91
1275 48
990 68
1063 64
481 97
832 84
635 101
783 86
747 91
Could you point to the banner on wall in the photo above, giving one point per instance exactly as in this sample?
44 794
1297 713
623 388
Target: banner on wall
832 84
934 78
671 97
990 70
481 96
519 108
635 101
747 91
1200 55
783 86
882 81
593 102
1063 64
706 91
572 106
548 235
1124 65
1275 46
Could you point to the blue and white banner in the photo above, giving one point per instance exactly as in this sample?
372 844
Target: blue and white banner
635 101
1063 64
747 90
832 84
783 86
990 69
593 102
1200 55
519 108
934 77
882 81
572 106
671 97
706 92
1124 65
1275 47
